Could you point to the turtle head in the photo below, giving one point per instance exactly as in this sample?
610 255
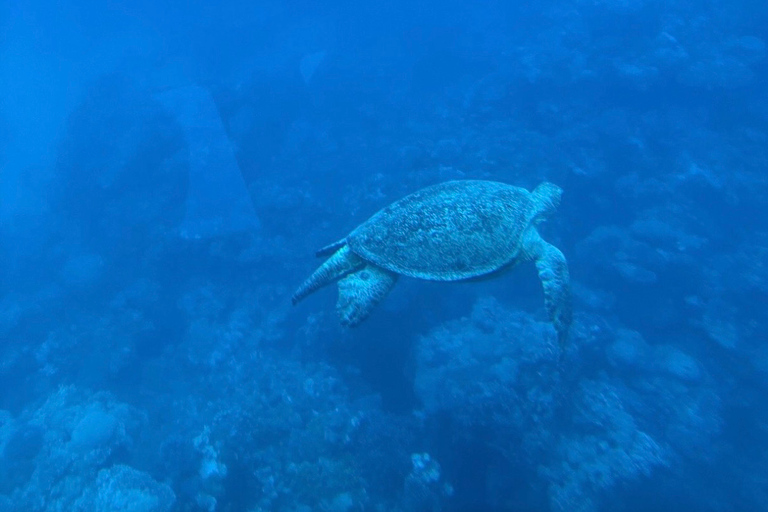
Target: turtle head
546 199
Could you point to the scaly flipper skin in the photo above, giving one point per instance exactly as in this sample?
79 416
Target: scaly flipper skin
361 291
555 279
341 263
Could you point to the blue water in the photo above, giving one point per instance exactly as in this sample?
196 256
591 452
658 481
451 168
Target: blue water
168 170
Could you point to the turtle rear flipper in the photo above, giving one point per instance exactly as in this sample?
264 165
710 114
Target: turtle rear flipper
341 263
555 279
361 291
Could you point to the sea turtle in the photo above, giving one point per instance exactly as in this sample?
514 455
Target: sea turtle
452 231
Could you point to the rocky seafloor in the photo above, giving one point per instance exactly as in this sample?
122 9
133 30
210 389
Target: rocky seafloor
143 372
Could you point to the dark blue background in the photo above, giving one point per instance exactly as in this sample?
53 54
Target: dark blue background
144 367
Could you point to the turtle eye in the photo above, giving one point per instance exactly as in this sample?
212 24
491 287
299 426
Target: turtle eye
364 275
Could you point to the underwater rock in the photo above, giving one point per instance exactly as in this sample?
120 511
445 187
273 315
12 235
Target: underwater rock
676 363
20 444
612 251
60 446
602 450
496 369
309 64
728 64
117 188
424 489
124 489
628 351
217 200
94 429
210 466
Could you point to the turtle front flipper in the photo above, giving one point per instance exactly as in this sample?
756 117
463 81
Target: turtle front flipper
341 263
554 276
361 291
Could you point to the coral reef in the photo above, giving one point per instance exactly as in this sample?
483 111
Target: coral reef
141 371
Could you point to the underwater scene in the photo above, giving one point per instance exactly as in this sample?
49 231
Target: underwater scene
404 256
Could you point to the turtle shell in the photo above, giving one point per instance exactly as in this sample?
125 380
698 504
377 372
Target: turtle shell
447 232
